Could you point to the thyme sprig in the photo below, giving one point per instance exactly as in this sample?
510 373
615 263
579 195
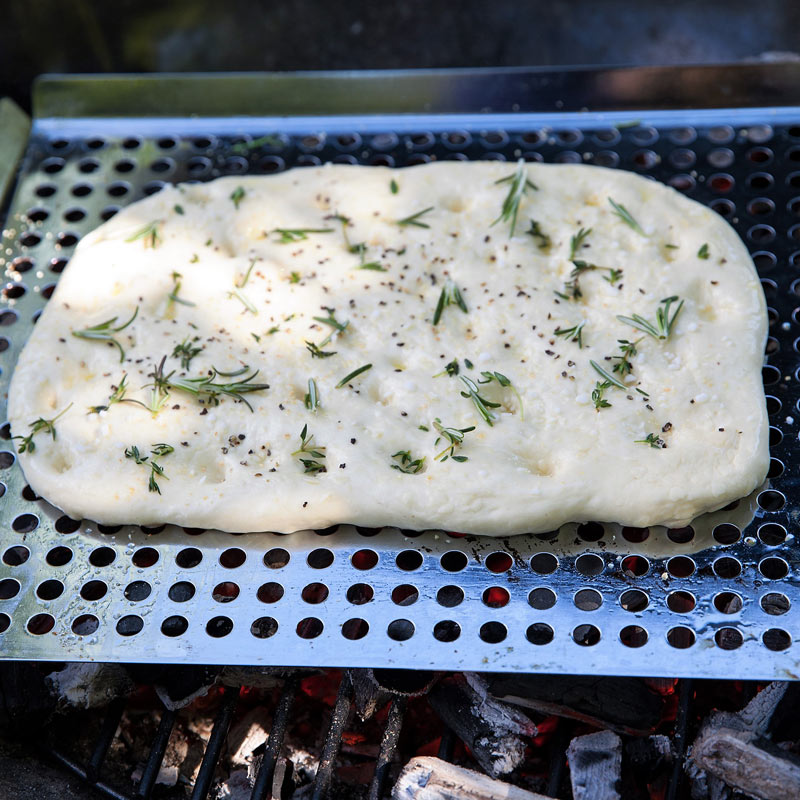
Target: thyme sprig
149 235
626 217
572 289
662 328
172 297
407 464
627 352
703 252
311 400
393 187
186 351
598 395
489 377
519 186
482 405
204 387
116 396
318 352
104 332
413 219
354 374
333 323
157 451
654 440
311 452
290 235
450 295
240 284
237 195
27 445
542 240
451 368
454 438
576 242
573 334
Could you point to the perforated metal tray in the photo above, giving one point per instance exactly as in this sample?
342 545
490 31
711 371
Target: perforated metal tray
717 599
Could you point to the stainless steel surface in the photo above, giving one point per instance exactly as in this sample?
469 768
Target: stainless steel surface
577 601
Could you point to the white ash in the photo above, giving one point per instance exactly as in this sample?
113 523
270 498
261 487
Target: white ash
89 685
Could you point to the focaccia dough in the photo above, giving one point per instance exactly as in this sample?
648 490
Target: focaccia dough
554 458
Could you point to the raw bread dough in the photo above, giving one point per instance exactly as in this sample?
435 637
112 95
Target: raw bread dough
550 459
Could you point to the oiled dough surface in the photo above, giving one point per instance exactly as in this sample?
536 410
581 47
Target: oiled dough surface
554 460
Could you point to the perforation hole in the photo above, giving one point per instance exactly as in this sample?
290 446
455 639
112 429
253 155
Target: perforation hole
25 523
645 159
775 436
137 591
446 631
589 564
40 624
760 207
9 588
680 535
264 627
633 636
775 603
109 530
493 632
188 557
590 531
636 535
495 597
405 595
588 600
94 590
360 593
364 559
59 556
30 239
270 592
681 566
271 164
776 468
727 567
452 561
28 494
276 558
15 555
6 459
100 556
409 560
85 624
181 592
605 158
314 593
400 630
728 638
119 189
634 600
771 500
770 375
586 635
218 627
57 265
145 557
773 568
683 183
174 626
680 637
544 563
129 625
150 188
776 639
225 592
726 533
772 534
450 596
539 633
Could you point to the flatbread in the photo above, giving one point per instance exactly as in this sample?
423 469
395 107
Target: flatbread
418 238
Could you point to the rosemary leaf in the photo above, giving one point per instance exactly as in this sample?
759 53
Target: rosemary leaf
354 374
626 216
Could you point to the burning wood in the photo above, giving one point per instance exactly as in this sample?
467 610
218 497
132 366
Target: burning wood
89 685
428 778
595 765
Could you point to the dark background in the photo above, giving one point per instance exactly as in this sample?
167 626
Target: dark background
142 36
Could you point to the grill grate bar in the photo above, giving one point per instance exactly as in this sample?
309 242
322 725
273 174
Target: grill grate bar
215 744
104 738
333 739
156 756
391 736
679 741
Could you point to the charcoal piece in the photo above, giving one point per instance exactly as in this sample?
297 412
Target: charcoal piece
428 778
373 688
624 705
89 684
176 685
495 732
595 766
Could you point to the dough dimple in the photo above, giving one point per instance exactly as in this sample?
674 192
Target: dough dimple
549 459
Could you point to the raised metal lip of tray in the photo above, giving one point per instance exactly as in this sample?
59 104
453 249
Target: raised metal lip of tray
719 601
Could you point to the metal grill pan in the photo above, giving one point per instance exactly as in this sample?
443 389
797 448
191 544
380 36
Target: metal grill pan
717 599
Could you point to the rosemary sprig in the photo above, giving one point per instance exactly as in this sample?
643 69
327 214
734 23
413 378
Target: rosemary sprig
662 328
318 352
450 295
454 438
489 377
27 445
158 451
311 400
413 219
116 396
451 369
375 266
204 387
608 377
576 242
406 463
542 239
186 351
172 297
393 187
312 453
332 322
626 216
354 374
243 299
271 140
703 252
289 235
627 352
573 334
519 186
653 439
148 234
103 332
240 284
482 405
237 195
